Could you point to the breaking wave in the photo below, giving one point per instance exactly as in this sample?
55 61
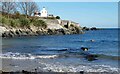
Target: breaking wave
58 67
10 55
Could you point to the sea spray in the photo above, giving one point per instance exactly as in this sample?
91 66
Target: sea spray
10 55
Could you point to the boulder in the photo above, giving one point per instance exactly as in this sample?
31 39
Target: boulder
91 57
84 48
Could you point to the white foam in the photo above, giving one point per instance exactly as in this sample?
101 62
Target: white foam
10 55
58 67
47 56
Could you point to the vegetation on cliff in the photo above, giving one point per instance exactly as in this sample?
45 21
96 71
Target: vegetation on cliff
21 23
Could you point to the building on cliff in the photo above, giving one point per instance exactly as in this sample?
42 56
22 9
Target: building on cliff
43 13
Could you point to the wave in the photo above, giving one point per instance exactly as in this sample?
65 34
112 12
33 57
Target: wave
10 55
95 41
55 49
103 56
59 67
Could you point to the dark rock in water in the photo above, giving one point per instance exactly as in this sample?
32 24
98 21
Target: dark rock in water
81 72
85 28
84 48
93 28
25 72
50 32
63 50
91 57
92 40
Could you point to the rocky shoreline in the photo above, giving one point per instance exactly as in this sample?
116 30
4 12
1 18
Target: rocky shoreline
35 31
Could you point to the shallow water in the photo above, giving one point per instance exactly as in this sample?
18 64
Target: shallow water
66 50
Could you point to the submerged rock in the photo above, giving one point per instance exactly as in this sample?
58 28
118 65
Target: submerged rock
91 57
84 48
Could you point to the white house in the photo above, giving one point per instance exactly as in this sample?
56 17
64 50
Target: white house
43 13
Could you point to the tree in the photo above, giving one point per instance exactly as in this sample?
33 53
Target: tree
28 8
57 17
8 7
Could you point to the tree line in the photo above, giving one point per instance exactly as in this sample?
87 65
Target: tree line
27 8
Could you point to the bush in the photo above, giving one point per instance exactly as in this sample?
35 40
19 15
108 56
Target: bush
14 22
17 14
33 19
4 20
24 22
57 17
40 23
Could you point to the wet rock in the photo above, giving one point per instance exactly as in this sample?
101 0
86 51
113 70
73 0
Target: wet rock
25 72
60 31
18 32
50 32
84 48
11 34
81 72
92 40
91 57
85 28
93 28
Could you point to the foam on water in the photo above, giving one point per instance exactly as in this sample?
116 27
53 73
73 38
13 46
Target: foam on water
10 55
58 67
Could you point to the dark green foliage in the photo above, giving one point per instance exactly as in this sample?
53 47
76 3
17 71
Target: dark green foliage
57 17
49 18
40 23
4 20
24 22
12 22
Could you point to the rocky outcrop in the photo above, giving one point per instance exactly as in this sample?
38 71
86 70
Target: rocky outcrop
54 27
92 28
17 32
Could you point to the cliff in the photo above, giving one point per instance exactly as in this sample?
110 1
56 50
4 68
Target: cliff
54 27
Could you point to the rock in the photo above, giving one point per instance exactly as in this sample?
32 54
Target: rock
91 57
18 32
93 28
85 28
62 31
92 40
84 48
50 32
5 34
81 72
25 72
11 34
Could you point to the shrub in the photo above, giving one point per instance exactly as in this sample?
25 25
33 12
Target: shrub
40 23
4 20
24 22
14 22
17 14
33 19
57 17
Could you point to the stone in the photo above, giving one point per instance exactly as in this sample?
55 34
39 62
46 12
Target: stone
84 48
91 57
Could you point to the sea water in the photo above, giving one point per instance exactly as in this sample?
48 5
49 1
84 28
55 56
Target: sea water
65 51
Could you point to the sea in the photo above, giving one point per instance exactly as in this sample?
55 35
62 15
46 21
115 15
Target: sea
63 53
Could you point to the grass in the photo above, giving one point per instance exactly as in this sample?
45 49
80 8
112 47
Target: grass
19 20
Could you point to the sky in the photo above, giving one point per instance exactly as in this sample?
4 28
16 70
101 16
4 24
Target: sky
89 14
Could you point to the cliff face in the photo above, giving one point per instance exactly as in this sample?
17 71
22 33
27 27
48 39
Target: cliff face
54 27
